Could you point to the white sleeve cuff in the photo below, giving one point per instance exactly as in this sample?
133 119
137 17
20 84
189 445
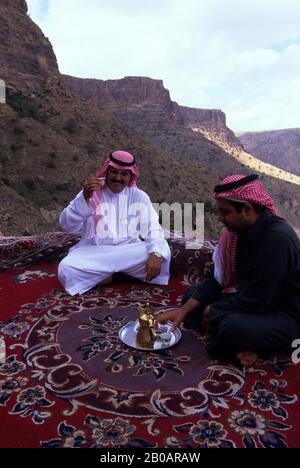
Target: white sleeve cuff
82 207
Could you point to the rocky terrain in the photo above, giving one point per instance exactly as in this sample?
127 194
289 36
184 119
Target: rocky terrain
27 57
51 143
145 106
279 147
51 138
199 136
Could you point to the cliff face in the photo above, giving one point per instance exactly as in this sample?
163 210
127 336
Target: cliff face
144 104
26 55
213 119
130 91
280 147
210 121
15 5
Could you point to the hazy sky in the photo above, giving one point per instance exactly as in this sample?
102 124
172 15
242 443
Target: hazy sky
241 56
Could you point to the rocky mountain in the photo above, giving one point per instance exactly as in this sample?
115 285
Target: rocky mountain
145 106
279 147
51 143
51 139
27 57
197 135
140 100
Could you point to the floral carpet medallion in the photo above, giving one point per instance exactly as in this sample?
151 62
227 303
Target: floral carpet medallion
78 349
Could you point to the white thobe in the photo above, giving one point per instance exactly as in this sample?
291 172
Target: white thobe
114 244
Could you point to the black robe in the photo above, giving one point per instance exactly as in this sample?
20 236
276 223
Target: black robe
264 314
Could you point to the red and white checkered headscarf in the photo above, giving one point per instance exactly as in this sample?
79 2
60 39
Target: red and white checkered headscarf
119 160
252 191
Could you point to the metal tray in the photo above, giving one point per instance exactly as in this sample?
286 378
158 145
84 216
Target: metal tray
165 338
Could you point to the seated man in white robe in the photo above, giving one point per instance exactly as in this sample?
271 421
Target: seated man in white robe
120 230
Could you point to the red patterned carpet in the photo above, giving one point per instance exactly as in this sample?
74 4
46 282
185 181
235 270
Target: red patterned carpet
68 381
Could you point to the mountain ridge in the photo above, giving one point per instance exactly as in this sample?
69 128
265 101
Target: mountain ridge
144 104
278 147
51 140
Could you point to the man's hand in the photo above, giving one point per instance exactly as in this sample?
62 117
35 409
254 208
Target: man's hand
176 316
153 267
90 186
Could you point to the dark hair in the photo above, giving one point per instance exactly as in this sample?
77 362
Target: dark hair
240 205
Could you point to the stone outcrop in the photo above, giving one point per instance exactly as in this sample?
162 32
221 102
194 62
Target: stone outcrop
211 121
26 55
15 5
142 103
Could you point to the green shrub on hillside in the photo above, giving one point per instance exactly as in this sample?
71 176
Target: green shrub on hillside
24 106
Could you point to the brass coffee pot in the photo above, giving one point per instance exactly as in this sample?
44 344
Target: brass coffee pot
146 332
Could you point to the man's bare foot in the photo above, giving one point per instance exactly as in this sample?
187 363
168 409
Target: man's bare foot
247 358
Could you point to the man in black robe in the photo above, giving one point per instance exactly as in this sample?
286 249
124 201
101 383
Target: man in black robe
250 303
